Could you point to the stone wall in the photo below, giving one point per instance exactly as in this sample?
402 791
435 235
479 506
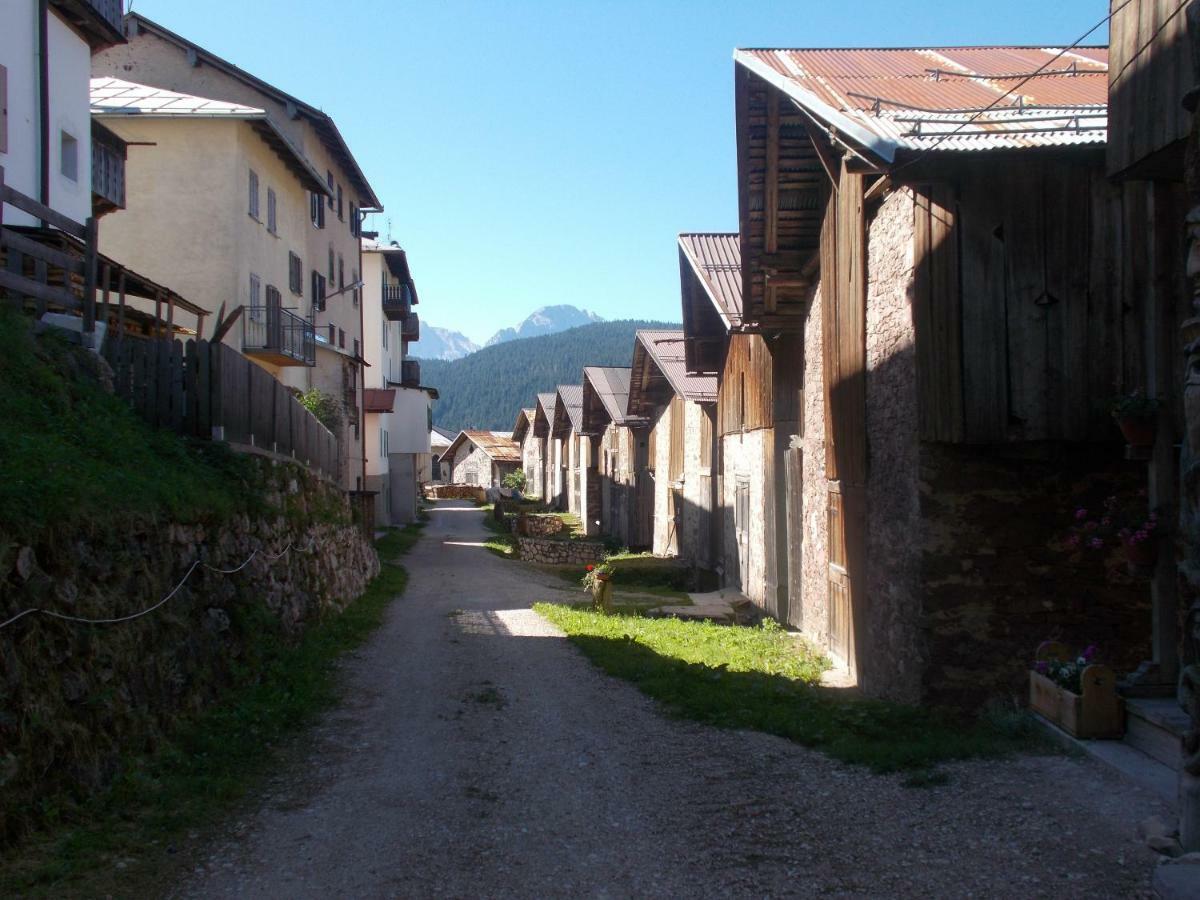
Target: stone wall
472 466
554 552
454 492
996 578
814 562
539 526
75 699
743 455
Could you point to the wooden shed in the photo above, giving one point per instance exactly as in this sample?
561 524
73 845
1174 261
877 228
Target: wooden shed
525 437
565 429
925 243
680 408
620 445
482 458
543 416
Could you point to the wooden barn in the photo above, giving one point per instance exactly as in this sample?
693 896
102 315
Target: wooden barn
524 436
620 444
481 458
680 409
927 291
543 417
566 431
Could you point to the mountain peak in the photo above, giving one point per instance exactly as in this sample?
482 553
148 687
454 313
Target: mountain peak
546 320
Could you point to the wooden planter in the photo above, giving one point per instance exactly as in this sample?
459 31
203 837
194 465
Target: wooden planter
1139 432
1096 713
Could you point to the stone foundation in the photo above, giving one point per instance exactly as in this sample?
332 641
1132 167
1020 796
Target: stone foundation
540 526
552 552
78 699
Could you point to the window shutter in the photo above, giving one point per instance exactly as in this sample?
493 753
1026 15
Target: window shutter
253 205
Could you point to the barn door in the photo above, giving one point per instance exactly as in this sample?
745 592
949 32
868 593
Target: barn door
839 626
794 492
674 519
741 528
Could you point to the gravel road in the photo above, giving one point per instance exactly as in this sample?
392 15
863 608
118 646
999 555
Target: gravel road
478 754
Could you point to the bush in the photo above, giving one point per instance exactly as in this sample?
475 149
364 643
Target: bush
514 481
323 406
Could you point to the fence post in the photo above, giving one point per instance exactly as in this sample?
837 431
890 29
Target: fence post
216 398
90 238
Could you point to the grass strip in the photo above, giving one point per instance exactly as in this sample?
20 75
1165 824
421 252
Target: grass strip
762 678
124 842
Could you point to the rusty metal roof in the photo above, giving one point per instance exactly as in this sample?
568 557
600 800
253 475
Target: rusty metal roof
497 445
888 99
717 261
611 384
665 350
379 400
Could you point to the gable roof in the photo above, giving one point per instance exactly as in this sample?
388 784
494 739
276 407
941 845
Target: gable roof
497 445
523 423
568 409
136 23
910 98
543 414
116 99
610 386
716 260
662 352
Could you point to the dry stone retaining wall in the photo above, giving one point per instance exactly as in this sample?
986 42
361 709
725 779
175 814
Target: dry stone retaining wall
539 526
552 552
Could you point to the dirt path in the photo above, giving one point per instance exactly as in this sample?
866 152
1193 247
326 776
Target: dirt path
478 754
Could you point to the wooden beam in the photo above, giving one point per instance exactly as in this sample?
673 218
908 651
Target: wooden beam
827 156
878 189
24 287
222 327
771 186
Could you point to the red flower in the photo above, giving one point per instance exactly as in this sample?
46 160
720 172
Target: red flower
589 568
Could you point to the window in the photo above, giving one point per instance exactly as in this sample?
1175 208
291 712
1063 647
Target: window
383 442
331 272
342 338
68 149
341 272
318 290
354 280
271 210
329 181
354 223
387 326
340 211
295 274
255 303
357 355
3 109
253 207
332 334
316 209
274 300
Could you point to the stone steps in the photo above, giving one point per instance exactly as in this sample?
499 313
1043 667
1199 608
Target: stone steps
1154 726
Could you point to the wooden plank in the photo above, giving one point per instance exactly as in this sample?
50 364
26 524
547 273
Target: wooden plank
191 389
13 197
985 373
164 385
176 393
1025 288
771 186
42 276
830 288
1068 197
283 425
91 251
27 287
946 313
38 250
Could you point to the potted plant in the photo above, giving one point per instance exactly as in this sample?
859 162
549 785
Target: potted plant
1136 416
1075 692
597 580
1123 523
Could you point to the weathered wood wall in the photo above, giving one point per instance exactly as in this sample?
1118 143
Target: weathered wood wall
1149 71
744 394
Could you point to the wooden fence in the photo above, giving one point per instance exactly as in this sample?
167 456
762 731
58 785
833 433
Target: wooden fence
211 391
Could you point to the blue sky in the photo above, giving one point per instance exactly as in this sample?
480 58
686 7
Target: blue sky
532 153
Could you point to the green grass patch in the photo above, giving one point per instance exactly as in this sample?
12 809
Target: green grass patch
211 764
502 541
75 454
762 678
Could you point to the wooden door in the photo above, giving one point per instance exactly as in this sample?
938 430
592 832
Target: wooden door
794 493
839 626
741 530
675 519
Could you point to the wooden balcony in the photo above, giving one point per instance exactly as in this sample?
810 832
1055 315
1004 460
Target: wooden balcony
410 373
108 170
410 328
278 336
397 301
101 22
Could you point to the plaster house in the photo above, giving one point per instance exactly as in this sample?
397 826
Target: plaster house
927 301
620 445
570 456
397 408
679 408
482 458
55 154
266 231
543 421
531 451
439 442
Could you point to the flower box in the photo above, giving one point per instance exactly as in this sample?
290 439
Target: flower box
1096 713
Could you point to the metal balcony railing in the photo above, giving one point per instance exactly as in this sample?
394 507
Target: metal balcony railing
277 334
397 301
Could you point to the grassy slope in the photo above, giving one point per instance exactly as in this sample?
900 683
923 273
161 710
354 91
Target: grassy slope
210 766
739 677
74 454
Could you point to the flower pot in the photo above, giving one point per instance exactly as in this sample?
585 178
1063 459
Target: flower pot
1096 713
1142 556
1139 431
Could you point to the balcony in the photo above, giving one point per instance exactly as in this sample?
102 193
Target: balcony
101 22
410 373
278 336
397 301
108 171
410 328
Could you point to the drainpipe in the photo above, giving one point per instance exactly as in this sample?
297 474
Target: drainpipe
44 98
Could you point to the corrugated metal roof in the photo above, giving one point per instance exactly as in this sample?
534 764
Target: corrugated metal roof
887 99
611 384
569 403
496 444
717 260
666 350
524 420
379 400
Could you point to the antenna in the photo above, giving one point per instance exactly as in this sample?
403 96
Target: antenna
389 229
